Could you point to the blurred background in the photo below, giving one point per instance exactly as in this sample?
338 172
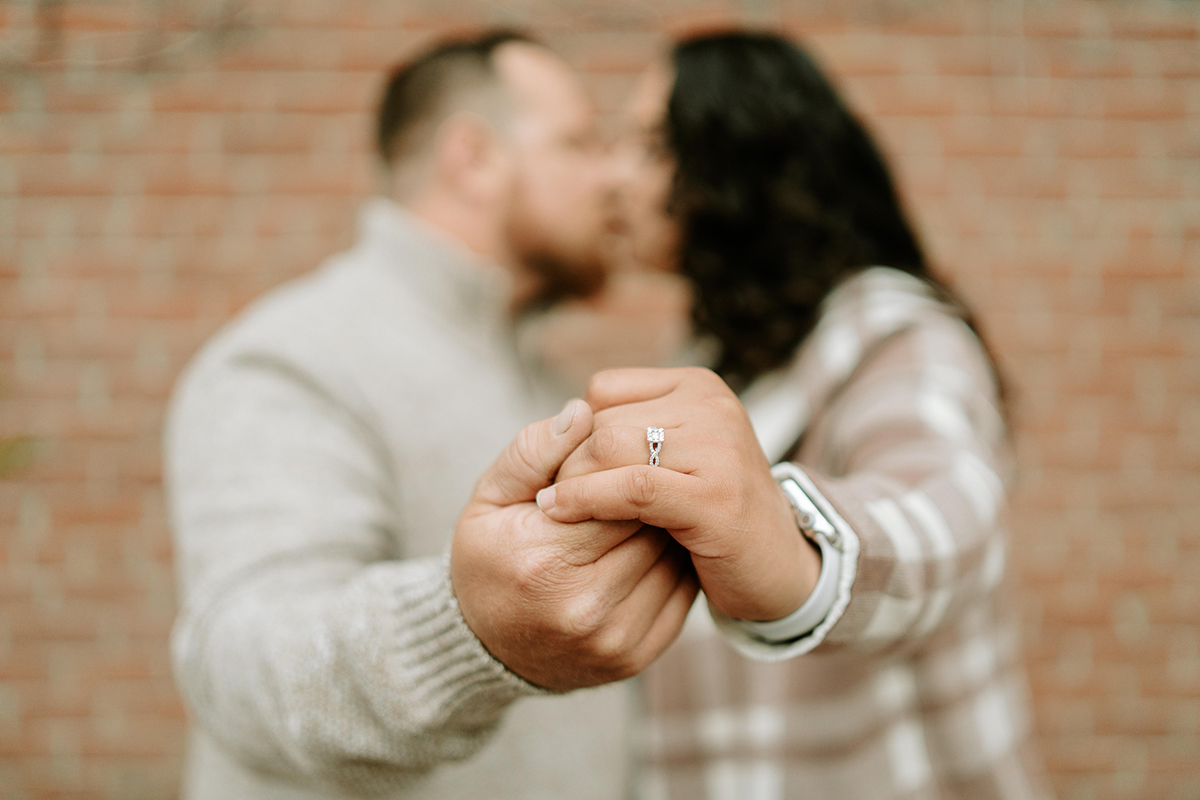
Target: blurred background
163 162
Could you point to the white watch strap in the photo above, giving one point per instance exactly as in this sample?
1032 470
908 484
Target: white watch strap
814 610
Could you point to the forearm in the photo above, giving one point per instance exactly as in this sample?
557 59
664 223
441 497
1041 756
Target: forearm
357 677
932 549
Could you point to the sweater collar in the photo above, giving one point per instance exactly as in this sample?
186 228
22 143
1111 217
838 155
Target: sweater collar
452 279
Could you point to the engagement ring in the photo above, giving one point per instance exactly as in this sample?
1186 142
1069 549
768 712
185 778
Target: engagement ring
655 437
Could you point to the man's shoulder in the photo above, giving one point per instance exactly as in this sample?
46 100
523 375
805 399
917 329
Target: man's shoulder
315 327
324 319
310 308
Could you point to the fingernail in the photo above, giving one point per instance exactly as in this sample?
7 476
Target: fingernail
562 423
545 498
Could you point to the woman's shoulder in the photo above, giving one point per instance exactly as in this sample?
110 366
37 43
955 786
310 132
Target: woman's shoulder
883 290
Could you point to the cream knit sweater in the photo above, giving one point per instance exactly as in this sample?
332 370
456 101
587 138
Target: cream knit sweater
319 451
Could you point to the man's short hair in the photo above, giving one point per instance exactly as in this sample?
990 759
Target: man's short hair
425 89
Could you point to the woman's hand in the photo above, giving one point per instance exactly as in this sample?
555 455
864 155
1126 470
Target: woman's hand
712 490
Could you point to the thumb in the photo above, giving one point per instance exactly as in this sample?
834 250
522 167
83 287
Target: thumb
531 460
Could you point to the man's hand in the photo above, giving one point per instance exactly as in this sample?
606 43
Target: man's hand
563 605
712 490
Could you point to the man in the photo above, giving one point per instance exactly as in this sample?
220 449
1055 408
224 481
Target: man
321 454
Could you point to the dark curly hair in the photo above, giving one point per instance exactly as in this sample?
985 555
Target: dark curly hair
781 194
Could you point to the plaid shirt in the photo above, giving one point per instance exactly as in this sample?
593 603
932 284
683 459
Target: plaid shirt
912 686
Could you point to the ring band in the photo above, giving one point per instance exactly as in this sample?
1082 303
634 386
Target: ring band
655 437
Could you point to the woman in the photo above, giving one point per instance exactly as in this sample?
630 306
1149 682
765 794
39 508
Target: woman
881 661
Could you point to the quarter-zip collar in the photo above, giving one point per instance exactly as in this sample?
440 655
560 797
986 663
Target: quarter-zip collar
451 279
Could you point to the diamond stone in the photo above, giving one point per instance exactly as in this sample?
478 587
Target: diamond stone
655 434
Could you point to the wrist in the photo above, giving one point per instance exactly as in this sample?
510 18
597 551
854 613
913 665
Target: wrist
781 575
798 566
807 627
808 616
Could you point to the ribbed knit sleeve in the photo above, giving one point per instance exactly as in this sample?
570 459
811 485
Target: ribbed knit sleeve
305 646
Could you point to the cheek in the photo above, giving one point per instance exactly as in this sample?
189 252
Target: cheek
654 231
556 208
558 186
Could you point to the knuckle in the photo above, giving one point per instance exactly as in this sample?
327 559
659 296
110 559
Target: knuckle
640 490
632 663
604 447
611 646
599 382
725 404
705 377
584 615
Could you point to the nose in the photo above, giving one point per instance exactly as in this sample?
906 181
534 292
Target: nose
608 176
619 168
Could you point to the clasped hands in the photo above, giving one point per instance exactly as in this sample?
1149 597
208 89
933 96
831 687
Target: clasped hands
575 562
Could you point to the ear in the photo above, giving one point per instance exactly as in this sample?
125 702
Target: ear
470 156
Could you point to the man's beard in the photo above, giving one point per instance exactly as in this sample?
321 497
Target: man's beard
559 280
560 271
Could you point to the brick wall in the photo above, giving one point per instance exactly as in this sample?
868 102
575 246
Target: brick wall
162 163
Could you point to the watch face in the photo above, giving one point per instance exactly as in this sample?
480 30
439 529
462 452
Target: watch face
809 519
